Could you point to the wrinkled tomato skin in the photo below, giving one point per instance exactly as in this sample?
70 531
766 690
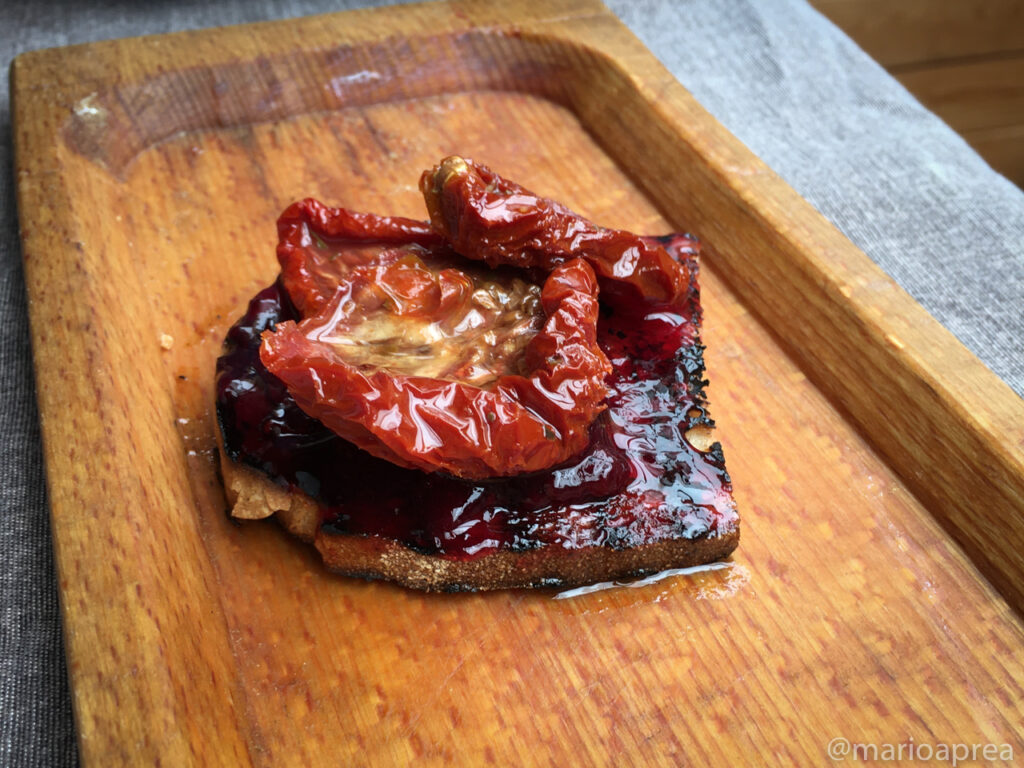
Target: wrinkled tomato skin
484 216
316 244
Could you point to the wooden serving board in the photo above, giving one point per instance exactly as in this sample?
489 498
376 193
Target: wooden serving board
878 466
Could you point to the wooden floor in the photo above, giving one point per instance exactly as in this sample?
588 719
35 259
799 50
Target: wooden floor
963 59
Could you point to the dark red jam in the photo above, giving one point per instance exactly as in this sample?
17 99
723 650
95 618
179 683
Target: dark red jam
639 481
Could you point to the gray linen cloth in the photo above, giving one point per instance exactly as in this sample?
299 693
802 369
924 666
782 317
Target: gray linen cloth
895 179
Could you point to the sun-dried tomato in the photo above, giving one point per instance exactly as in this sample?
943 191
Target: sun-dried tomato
434 363
484 216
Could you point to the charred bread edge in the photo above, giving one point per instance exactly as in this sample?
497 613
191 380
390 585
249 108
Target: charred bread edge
253 495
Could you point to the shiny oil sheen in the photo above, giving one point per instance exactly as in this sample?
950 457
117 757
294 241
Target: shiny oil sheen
640 480
480 338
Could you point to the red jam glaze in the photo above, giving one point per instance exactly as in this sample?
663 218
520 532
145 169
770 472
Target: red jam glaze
638 481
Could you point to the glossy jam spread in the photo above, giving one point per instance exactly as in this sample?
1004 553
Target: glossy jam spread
648 473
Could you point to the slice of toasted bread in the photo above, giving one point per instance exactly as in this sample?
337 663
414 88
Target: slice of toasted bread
648 491
253 495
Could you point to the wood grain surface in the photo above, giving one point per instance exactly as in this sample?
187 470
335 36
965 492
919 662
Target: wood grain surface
910 32
961 58
972 95
863 441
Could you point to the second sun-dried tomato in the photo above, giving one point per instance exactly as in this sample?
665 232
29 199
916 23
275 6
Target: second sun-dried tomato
484 216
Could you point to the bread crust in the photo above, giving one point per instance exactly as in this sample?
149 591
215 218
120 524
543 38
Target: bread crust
253 495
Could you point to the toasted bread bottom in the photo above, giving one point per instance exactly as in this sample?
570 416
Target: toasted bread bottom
253 495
